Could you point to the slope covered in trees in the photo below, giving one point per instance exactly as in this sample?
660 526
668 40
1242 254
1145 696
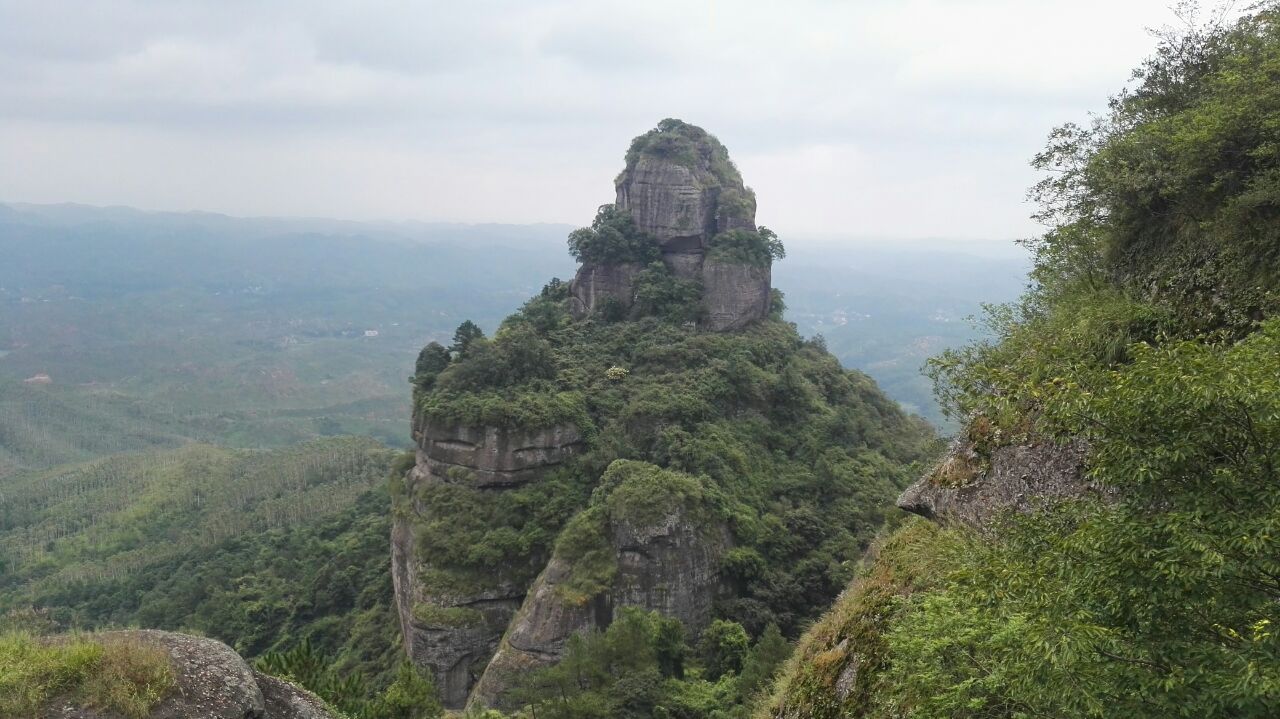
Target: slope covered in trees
265 550
1151 340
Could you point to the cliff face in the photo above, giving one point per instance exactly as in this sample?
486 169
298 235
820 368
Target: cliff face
665 558
450 628
681 191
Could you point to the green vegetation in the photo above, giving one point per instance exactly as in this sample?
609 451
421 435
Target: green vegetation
804 455
1151 335
744 247
264 550
612 239
695 148
641 667
111 674
408 696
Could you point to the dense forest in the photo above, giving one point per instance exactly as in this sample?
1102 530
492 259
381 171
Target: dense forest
1150 338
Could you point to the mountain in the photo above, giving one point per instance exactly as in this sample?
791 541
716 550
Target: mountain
1101 539
651 437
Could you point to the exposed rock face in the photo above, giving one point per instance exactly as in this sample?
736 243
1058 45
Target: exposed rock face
213 682
734 295
595 285
673 203
459 631
668 565
1017 477
681 190
492 456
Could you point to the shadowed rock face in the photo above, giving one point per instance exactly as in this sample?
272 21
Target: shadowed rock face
594 285
212 682
495 459
492 456
669 566
1017 477
682 200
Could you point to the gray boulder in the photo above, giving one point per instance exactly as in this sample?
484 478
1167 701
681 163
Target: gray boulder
970 489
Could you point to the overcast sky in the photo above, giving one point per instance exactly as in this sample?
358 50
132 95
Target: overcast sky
901 119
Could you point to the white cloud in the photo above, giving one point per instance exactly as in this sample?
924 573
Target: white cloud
903 117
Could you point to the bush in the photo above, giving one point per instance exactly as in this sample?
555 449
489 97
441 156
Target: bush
612 239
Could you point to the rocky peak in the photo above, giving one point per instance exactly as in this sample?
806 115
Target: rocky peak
681 192
681 188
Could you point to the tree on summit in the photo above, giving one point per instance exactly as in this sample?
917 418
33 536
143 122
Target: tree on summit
463 337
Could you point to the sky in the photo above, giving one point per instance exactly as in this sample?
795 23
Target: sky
869 118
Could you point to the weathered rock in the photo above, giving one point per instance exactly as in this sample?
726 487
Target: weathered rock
669 565
287 701
492 456
673 203
681 190
734 295
594 285
212 682
451 630
1017 477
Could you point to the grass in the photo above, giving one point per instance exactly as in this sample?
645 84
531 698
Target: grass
113 674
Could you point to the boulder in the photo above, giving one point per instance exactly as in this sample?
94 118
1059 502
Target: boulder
212 682
971 489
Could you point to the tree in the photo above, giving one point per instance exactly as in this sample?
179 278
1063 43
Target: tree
722 647
463 337
432 360
763 661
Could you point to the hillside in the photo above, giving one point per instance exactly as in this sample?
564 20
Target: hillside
649 438
262 549
1103 535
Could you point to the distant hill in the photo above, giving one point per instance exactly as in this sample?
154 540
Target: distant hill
267 331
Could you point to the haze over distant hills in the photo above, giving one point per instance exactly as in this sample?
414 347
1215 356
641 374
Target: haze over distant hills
267 331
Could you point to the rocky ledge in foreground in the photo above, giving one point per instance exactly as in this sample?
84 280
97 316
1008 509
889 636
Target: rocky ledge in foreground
210 681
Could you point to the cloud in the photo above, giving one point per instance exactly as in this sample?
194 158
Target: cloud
903 118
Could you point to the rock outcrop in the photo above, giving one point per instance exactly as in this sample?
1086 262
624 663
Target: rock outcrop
212 682
970 488
666 559
491 456
452 629
681 191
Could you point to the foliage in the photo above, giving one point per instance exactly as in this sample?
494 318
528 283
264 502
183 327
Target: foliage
722 648
637 668
432 360
612 239
803 455
659 293
464 337
759 248
1160 604
316 573
408 696
111 674
1148 337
